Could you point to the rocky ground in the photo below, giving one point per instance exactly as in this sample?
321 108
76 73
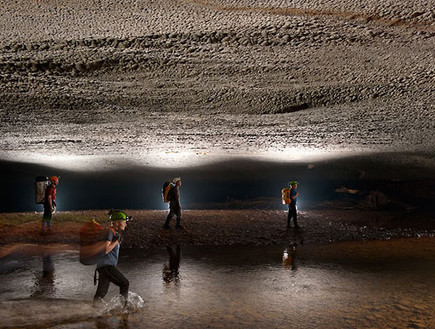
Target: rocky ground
146 78
223 228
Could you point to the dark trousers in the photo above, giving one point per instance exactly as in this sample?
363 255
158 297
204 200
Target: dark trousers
173 212
46 217
107 274
292 213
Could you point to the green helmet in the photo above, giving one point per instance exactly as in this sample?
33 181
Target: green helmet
293 182
116 215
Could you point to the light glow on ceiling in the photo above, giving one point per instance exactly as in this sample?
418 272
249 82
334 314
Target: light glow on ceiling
167 159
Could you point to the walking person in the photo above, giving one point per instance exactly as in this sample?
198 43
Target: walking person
292 207
174 204
49 204
106 264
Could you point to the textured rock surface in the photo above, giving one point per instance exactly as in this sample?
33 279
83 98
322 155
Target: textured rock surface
204 78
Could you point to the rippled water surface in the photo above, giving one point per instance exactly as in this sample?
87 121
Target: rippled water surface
383 284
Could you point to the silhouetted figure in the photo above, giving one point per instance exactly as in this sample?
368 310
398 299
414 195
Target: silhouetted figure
171 272
49 204
174 204
292 207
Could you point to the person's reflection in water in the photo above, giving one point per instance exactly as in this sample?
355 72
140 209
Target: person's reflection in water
289 257
45 283
171 271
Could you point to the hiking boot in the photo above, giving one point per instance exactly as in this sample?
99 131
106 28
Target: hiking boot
124 302
166 227
179 227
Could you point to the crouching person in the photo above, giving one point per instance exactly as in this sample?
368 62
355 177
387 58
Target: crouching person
106 264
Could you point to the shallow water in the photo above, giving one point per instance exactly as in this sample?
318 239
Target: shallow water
381 284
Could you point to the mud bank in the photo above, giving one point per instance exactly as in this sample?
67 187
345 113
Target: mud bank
230 227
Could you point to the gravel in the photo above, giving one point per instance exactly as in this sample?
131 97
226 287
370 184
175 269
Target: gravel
231 227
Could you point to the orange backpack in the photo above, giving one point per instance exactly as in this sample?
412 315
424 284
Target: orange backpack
285 192
167 186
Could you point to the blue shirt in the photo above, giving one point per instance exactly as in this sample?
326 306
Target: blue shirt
110 258
292 194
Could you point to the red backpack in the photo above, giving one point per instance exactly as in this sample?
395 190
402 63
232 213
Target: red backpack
92 242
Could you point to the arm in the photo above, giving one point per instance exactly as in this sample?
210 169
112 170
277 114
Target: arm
50 202
110 245
295 196
176 197
111 242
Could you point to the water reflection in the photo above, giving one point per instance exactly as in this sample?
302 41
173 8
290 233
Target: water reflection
21 262
370 284
289 257
44 285
171 271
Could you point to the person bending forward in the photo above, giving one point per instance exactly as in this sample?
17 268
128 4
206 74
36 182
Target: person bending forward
106 265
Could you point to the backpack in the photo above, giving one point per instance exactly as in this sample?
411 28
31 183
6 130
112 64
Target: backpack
166 191
92 242
285 193
41 184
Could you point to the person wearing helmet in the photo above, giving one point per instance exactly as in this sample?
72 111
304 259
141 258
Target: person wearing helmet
49 204
292 207
174 204
106 264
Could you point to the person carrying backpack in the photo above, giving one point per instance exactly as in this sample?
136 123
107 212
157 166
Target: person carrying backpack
49 204
106 264
292 207
174 204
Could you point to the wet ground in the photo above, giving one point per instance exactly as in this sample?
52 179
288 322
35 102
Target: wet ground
179 84
370 284
227 227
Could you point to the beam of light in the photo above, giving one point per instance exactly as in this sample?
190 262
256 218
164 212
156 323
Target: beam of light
302 154
62 161
184 157
176 159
